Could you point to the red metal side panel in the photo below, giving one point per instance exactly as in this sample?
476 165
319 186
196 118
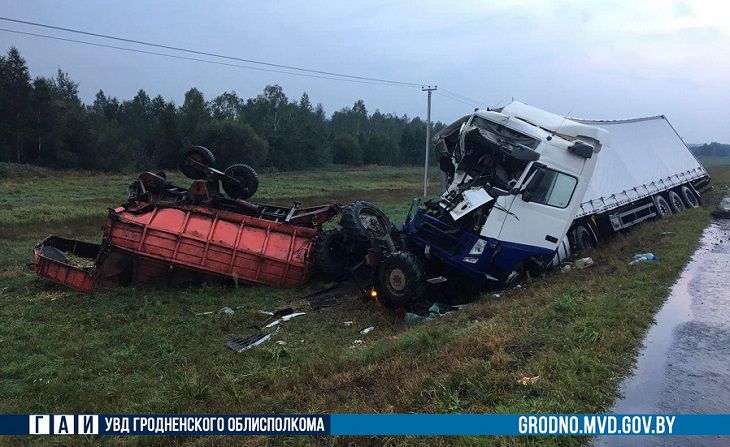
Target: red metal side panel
253 250
64 274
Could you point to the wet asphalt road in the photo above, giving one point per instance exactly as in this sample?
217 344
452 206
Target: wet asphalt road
684 364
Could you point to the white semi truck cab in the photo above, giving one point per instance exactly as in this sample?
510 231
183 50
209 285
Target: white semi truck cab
516 177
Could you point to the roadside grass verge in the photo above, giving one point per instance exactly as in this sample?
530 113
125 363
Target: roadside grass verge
144 349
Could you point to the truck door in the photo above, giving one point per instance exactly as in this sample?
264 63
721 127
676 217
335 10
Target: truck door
539 217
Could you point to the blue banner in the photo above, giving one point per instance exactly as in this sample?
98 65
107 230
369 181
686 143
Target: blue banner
366 424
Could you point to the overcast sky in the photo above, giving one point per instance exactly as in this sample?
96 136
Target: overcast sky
591 59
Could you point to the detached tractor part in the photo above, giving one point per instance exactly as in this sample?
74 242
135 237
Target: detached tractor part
368 230
239 181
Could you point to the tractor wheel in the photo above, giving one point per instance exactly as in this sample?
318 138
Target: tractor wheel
662 206
198 154
331 255
676 202
363 222
248 182
690 198
400 280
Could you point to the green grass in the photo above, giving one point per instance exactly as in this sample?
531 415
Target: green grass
143 349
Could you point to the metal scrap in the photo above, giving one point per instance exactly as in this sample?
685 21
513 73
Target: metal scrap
240 344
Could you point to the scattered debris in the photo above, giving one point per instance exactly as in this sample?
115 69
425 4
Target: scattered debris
240 344
411 318
367 330
583 263
225 311
357 342
498 295
566 268
347 323
644 257
666 233
528 380
280 342
286 317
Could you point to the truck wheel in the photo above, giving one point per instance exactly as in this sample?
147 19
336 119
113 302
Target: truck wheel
330 255
662 206
362 221
584 238
201 155
401 279
690 198
676 202
248 182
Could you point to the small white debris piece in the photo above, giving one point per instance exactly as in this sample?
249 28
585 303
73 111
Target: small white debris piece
583 263
285 318
347 323
225 311
367 330
357 342
280 342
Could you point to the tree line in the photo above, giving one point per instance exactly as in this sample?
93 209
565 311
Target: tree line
713 149
44 122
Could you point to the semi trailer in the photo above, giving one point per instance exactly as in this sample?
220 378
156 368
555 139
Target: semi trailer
525 188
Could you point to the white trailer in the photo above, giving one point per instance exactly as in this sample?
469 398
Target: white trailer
648 172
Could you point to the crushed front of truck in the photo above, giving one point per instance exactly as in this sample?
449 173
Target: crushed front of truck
479 157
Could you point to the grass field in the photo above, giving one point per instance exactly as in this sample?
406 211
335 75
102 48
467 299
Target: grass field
144 349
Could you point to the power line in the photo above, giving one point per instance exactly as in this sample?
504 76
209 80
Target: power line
205 53
456 99
174 56
463 97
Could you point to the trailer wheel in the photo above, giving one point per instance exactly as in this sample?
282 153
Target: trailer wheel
676 202
401 279
690 198
584 238
248 182
362 221
331 256
662 206
198 154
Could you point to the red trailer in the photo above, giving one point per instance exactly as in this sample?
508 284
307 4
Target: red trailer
252 250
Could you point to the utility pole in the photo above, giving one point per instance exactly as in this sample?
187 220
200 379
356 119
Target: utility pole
427 89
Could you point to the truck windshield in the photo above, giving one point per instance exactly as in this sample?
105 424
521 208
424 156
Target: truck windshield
504 133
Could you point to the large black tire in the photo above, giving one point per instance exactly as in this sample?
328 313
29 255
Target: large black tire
200 154
364 223
400 280
331 257
662 206
584 238
676 202
690 198
247 178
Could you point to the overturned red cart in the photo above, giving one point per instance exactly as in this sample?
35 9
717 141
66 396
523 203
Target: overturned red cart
164 228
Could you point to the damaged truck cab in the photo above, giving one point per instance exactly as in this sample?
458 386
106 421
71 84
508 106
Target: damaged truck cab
516 177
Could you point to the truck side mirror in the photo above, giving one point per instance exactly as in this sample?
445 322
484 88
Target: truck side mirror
581 149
